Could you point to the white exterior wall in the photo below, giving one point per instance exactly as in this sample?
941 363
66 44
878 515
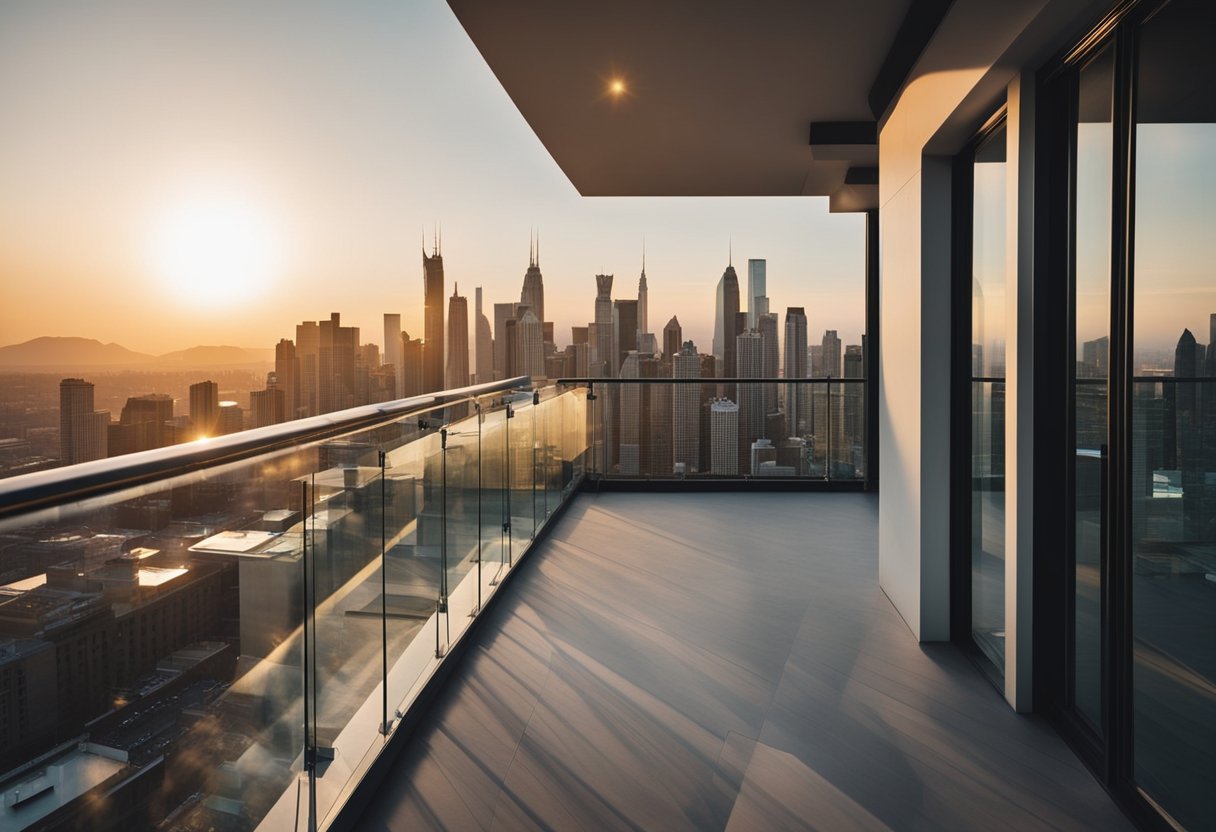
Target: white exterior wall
981 55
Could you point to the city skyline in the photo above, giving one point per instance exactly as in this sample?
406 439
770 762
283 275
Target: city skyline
334 205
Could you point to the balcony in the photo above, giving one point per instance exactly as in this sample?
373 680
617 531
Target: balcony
429 613
678 662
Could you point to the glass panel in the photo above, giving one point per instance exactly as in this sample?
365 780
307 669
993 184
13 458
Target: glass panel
988 519
1174 422
520 468
463 521
988 399
412 563
1092 277
494 517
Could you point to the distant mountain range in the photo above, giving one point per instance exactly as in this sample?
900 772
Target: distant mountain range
54 354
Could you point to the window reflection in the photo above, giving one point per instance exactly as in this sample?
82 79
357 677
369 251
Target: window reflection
1174 418
988 399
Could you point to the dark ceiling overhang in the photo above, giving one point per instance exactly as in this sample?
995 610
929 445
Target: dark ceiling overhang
718 95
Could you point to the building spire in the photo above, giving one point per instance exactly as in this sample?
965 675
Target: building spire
538 247
643 255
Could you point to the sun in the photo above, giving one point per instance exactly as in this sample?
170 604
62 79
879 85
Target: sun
213 249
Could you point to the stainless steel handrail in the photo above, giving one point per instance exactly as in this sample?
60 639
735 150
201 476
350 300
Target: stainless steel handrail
60 486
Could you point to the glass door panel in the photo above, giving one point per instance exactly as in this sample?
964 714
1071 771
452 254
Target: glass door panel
988 266
1091 267
1173 465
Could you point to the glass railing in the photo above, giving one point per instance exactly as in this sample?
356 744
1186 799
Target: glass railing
726 429
226 635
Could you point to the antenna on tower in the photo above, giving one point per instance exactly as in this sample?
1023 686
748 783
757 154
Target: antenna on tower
643 254
531 249
538 247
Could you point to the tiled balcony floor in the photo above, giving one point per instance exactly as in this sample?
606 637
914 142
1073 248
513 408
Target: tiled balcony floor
722 661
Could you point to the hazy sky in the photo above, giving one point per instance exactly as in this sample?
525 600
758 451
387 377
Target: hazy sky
138 134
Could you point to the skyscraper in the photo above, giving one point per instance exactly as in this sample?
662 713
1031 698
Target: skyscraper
146 422
336 354
308 348
686 409
286 375
797 396
631 415
604 356
484 339
529 346
533 293
504 356
757 292
724 438
267 407
392 347
725 321
672 338
643 299
432 318
204 409
411 359
771 351
624 328
458 340
82 430
751 396
831 354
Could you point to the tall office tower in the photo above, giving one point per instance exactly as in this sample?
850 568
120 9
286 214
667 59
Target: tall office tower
757 292
82 430
432 319
308 348
853 432
709 390
336 358
797 396
624 328
814 360
392 346
751 396
831 354
578 360
629 452
771 350
656 418
725 322
533 293
673 338
686 409
411 360
267 407
604 356
458 340
579 335
232 418
504 355
724 438
286 376
146 422
483 340
529 346
1095 359
643 300
204 409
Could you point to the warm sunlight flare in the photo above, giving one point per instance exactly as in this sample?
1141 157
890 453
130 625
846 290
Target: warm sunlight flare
616 87
213 250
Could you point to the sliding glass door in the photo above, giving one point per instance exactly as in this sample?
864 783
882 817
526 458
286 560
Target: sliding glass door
1139 677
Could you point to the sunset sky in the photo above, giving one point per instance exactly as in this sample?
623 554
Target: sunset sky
177 174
